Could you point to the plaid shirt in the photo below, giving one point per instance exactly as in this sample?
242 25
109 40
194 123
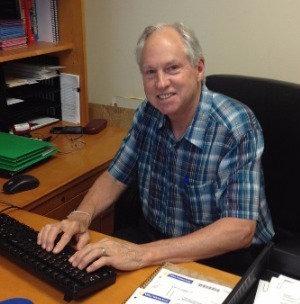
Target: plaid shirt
213 171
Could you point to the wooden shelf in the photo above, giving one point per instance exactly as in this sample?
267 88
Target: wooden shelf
70 51
34 49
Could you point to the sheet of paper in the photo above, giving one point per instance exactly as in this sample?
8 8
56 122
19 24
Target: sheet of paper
263 293
173 288
287 290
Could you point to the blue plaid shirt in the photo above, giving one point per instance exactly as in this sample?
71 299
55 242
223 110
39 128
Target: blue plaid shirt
213 171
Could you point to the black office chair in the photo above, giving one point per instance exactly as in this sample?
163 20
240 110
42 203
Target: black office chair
276 104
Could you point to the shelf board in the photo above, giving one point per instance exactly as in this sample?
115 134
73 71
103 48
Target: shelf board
34 49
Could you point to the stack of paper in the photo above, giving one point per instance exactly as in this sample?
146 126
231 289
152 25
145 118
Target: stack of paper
19 73
18 152
279 290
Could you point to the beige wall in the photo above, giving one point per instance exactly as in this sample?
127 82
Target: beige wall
249 37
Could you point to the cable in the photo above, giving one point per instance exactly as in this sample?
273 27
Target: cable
75 143
73 138
10 207
7 202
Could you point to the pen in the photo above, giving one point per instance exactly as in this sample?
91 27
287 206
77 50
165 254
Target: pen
186 180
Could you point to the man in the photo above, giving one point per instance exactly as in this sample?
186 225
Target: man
196 156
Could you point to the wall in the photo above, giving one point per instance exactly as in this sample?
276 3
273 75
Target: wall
257 38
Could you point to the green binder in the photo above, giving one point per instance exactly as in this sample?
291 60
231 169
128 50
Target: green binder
18 152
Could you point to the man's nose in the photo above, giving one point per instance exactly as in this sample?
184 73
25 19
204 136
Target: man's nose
162 80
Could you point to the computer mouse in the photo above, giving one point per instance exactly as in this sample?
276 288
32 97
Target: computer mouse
20 183
16 301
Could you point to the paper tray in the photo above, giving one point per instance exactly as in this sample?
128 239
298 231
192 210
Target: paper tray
283 258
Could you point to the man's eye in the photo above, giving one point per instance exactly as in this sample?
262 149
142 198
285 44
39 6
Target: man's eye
149 73
173 69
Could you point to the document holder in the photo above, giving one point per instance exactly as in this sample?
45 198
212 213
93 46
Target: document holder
275 259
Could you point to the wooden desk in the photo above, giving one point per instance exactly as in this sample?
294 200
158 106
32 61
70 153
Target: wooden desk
15 282
67 176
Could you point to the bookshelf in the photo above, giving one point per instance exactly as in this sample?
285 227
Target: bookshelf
70 52
35 49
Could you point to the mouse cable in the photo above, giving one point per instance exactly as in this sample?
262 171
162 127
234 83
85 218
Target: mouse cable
10 207
10 204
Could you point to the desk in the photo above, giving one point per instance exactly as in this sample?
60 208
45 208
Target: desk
67 176
15 282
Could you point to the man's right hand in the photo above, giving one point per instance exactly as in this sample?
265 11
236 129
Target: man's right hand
68 228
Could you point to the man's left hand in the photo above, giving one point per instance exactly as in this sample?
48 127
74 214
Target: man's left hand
118 254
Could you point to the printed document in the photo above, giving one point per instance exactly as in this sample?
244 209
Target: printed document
279 290
173 288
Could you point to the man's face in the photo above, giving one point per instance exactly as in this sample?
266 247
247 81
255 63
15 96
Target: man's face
171 83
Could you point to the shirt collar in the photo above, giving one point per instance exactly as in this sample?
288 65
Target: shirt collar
196 130
198 126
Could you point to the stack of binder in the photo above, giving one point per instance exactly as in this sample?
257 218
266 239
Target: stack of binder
18 153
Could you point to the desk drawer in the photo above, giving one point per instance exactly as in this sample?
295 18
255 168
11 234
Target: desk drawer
64 195
66 199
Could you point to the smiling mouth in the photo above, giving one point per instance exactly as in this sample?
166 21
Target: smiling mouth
165 96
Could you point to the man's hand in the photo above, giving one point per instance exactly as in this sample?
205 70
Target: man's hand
118 254
68 228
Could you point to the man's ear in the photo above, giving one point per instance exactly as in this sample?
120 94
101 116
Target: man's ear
201 69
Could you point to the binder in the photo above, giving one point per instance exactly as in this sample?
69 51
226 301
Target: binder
48 23
28 22
18 153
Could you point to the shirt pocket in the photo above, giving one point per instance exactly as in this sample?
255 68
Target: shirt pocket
201 204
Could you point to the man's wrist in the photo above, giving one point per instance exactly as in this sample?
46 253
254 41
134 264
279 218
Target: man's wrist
84 219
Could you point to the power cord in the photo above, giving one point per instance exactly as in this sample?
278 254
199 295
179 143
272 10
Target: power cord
76 143
10 205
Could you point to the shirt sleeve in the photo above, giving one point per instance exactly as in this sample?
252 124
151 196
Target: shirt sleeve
124 165
241 177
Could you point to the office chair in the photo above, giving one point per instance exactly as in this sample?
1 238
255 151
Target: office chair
276 104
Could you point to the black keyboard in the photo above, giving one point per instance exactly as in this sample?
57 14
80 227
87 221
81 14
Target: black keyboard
18 244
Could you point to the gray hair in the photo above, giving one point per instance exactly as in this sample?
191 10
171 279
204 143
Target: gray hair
192 46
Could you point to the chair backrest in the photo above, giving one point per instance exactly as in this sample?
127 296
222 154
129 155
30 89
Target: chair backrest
276 105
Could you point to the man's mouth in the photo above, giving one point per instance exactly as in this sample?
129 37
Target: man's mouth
165 96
